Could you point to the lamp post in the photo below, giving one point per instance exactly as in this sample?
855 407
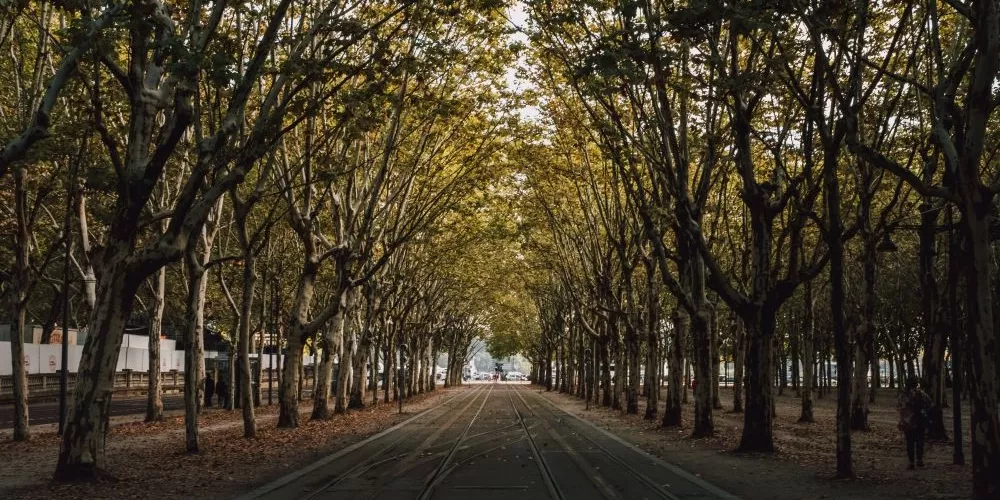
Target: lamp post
588 382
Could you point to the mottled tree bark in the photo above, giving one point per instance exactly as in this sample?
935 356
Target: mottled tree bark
194 352
18 301
758 418
808 352
347 351
675 388
154 394
841 340
81 455
739 361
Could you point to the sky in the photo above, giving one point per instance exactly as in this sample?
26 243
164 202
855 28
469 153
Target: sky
518 17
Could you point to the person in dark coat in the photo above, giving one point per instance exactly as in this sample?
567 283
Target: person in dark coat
209 390
222 389
913 406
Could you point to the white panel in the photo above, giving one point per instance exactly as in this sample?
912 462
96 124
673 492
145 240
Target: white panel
166 359
50 357
5 367
75 353
137 360
121 359
38 364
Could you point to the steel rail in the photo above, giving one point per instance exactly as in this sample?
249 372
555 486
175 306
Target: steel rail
437 474
373 461
621 463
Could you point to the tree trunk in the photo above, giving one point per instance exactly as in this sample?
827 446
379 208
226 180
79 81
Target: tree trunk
302 373
360 378
758 418
739 360
837 304
81 455
324 370
154 395
808 352
795 347
713 327
672 415
584 354
605 359
389 381
22 431
18 301
876 371
621 368
246 311
194 354
89 276
933 370
348 350
687 379
288 395
703 422
632 391
781 364
55 310
982 341
892 371
652 325
958 345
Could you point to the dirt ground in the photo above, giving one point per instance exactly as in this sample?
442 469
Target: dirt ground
148 460
804 466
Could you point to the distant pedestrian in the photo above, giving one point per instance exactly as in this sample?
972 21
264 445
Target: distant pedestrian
913 406
209 390
222 389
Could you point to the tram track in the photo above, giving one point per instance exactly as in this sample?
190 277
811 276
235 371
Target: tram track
481 440
375 459
543 467
439 471
588 469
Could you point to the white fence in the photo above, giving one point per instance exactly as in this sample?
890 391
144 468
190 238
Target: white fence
134 356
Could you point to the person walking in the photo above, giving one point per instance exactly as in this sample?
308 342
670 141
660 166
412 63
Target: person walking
222 389
209 390
913 406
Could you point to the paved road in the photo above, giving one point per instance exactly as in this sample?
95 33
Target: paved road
48 413
491 441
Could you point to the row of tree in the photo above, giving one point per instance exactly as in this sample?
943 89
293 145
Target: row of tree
772 181
293 174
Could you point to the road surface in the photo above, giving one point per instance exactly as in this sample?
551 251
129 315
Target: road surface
48 412
491 441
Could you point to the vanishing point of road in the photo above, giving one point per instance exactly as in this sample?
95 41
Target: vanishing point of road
491 441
